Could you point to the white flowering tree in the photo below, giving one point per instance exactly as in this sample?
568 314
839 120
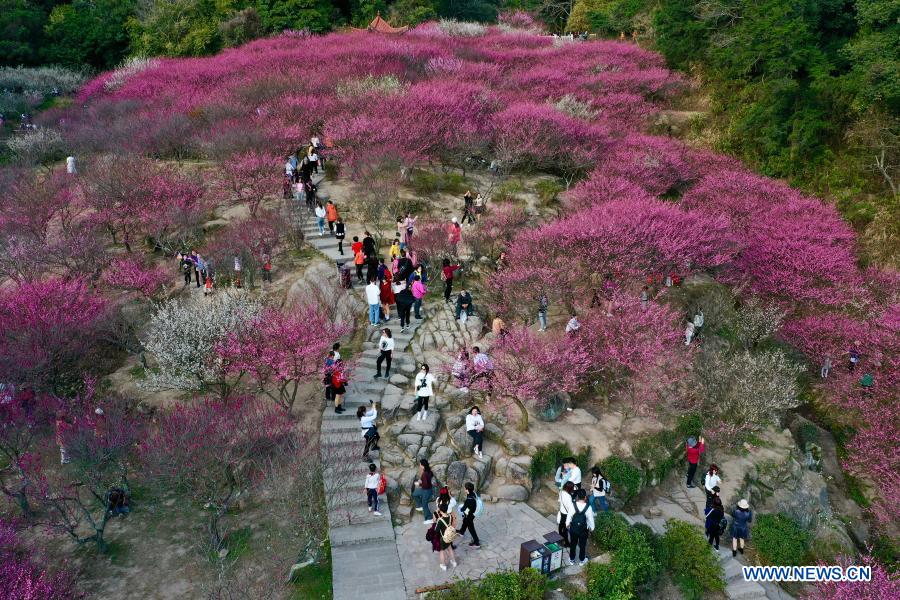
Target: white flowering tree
182 336
748 390
757 321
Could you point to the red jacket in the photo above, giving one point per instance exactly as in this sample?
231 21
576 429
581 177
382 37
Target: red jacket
693 454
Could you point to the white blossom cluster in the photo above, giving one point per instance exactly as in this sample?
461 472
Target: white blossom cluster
757 321
182 335
461 28
129 68
574 107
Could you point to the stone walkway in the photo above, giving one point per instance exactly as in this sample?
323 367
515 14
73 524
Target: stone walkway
501 528
689 504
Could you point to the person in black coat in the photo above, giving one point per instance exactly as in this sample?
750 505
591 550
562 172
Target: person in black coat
468 512
714 515
404 300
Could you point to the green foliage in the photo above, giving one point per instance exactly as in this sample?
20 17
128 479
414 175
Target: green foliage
22 31
610 529
608 582
508 191
637 555
625 478
807 433
608 17
427 183
780 540
244 26
679 35
505 585
658 453
689 424
88 32
412 12
547 458
548 191
686 555
314 582
180 27
278 15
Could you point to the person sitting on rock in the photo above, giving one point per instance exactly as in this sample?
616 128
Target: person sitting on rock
464 303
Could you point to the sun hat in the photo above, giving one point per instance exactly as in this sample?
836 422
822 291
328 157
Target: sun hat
692 441
743 504
453 219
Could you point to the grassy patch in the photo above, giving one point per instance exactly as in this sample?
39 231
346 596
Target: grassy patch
426 183
314 582
138 372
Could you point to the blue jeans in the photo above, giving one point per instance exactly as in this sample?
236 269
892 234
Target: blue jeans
600 503
417 305
542 317
321 226
373 313
422 498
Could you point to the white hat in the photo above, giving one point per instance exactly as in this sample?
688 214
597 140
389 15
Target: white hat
453 219
742 503
98 411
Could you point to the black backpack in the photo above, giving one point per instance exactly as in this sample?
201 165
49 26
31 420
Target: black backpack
579 521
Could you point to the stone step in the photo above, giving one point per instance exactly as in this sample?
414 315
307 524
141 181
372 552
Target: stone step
341 425
732 570
744 590
362 533
354 511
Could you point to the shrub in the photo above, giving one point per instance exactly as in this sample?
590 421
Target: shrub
508 191
780 540
461 29
426 183
505 585
547 458
636 555
37 146
574 107
609 530
608 582
689 424
43 80
625 478
685 553
658 454
387 85
548 190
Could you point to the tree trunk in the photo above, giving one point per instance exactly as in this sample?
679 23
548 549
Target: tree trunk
523 420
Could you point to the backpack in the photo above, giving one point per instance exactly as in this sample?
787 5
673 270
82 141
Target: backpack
450 534
479 506
382 485
723 525
579 521
606 486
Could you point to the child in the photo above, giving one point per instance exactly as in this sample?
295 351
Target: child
373 479
208 289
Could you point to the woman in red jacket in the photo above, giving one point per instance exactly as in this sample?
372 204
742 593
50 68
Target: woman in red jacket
338 383
693 450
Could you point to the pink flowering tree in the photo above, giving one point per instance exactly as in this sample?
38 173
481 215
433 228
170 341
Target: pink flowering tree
250 177
133 273
528 368
249 240
133 197
495 230
24 421
884 584
25 576
281 351
49 330
210 452
76 497
432 243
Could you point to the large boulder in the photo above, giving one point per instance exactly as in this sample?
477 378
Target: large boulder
512 492
457 475
556 405
444 454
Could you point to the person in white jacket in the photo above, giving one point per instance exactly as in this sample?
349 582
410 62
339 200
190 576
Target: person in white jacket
424 386
475 429
386 346
711 480
367 417
580 524
320 218
373 480
566 508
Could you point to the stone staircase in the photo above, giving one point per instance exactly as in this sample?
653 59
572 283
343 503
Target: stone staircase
363 547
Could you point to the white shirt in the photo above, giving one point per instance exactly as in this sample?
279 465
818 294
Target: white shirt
320 212
70 164
698 320
597 486
573 325
474 422
427 389
588 514
483 362
711 481
373 480
566 507
288 168
373 294
368 420
337 356
575 475
386 344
